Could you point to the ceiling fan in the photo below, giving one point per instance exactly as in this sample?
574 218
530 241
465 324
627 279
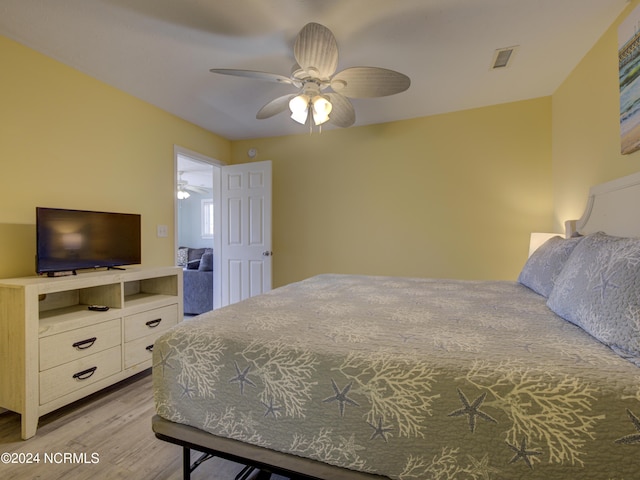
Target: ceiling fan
185 187
323 95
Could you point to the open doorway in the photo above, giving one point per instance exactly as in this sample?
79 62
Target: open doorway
197 229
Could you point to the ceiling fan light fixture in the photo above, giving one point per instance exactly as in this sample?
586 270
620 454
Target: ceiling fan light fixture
300 117
182 194
299 106
321 109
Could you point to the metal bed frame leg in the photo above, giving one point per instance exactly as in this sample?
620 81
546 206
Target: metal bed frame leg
186 463
244 473
187 467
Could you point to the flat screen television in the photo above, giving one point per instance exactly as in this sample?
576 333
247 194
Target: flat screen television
70 240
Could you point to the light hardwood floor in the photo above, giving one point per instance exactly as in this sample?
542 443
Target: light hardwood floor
115 424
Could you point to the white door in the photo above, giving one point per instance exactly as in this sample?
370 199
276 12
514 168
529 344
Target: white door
246 231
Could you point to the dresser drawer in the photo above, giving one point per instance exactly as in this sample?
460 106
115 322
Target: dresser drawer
63 379
139 350
75 344
151 321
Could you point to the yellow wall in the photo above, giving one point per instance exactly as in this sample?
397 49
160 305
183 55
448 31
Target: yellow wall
70 141
445 196
452 195
586 135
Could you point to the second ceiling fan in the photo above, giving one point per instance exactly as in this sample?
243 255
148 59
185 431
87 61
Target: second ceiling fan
323 95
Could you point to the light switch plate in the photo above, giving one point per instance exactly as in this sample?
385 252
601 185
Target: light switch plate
163 231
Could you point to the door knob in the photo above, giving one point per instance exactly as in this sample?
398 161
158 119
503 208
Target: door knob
267 253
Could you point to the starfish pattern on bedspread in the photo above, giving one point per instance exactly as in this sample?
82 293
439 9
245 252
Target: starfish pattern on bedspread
349 445
379 430
164 361
482 468
634 437
242 378
472 409
187 391
523 453
341 397
271 409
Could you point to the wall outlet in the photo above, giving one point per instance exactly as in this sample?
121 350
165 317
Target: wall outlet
163 231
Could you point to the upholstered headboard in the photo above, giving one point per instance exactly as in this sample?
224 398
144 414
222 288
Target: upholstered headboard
612 207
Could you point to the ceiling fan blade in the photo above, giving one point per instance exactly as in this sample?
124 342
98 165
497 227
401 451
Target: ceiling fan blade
197 189
342 112
271 77
316 50
368 82
274 107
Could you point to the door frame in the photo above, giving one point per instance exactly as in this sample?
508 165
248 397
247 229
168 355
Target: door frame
217 214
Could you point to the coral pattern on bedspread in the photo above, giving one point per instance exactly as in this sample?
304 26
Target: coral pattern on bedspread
407 378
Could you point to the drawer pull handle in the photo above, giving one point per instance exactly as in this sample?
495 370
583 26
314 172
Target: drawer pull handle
84 344
149 347
153 323
85 373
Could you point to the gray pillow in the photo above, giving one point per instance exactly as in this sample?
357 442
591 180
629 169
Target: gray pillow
599 290
206 262
544 265
195 253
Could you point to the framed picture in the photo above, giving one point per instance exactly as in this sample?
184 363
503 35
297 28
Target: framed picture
629 77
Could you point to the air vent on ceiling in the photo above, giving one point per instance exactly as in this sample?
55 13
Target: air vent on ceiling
503 57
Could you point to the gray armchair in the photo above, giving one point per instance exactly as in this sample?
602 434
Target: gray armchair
198 280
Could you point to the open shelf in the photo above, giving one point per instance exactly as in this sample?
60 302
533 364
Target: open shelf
109 294
146 299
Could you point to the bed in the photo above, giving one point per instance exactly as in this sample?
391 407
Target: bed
358 377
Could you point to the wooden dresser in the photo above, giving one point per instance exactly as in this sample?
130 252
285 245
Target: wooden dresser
54 350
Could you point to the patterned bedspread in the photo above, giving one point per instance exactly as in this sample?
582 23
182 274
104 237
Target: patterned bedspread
407 378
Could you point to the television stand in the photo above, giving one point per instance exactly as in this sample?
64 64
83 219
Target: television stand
56 351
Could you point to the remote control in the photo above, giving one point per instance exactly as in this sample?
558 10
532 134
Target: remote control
98 308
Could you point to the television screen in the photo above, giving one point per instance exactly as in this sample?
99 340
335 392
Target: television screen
69 240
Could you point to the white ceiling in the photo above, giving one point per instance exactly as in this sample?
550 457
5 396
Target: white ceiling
161 50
